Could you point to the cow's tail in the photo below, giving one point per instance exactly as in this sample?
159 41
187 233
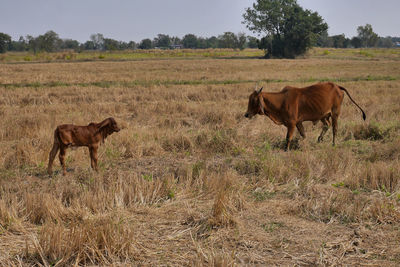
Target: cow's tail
363 113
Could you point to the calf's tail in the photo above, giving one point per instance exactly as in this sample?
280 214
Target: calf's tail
363 113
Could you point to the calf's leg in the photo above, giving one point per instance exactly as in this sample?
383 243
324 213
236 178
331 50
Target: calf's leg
52 155
61 156
93 158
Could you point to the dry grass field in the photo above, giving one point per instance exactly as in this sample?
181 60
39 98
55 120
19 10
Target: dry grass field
189 181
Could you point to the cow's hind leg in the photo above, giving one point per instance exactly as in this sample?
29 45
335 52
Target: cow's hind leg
52 155
300 128
335 117
61 156
325 127
334 127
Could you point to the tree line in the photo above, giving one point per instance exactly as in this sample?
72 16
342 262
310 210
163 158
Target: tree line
288 31
51 42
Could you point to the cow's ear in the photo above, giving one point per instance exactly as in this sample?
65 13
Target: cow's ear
259 91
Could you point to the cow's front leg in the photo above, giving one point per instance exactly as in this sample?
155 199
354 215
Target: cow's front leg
289 135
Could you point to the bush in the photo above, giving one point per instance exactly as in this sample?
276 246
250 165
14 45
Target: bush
368 132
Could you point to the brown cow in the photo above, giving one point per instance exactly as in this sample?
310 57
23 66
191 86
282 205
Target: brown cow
292 106
69 135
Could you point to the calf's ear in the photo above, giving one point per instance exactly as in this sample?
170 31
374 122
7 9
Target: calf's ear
104 123
259 91
262 103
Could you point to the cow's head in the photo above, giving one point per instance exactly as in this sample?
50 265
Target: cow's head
256 104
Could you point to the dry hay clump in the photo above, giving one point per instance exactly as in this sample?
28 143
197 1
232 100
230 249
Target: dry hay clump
376 176
177 144
227 202
329 204
219 141
368 132
91 241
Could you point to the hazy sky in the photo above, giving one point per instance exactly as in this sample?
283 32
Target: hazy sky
135 20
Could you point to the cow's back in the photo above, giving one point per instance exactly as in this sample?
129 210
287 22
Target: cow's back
318 100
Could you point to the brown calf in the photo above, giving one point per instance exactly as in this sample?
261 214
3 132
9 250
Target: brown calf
292 106
69 135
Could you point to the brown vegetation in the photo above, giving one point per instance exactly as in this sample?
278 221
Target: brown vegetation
190 181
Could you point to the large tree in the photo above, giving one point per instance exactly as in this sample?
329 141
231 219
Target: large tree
367 36
97 41
162 40
289 29
111 44
340 41
49 41
189 41
5 41
227 40
212 42
241 40
70 44
145 44
252 42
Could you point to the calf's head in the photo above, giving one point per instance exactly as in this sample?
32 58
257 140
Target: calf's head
256 104
109 126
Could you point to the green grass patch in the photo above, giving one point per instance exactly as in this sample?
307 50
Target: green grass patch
147 177
130 55
260 195
146 83
272 226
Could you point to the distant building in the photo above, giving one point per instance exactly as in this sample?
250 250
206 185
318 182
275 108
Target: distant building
176 46
397 44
